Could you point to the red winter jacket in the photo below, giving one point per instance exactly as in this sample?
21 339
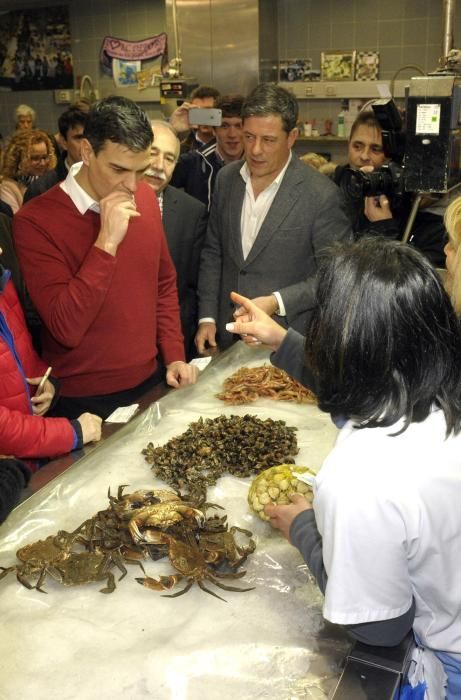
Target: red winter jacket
21 433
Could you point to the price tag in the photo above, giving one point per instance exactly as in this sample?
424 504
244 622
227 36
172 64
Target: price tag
122 414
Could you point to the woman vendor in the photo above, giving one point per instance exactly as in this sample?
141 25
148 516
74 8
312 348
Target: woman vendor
382 353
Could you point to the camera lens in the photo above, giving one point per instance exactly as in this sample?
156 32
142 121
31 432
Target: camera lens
356 184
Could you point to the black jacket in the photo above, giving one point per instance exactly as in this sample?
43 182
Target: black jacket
428 232
47 181
196 172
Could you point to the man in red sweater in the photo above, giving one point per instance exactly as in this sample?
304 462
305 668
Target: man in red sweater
97 267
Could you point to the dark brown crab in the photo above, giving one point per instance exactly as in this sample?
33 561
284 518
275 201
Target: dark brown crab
37 558
189 561
55 557
218 547
86 567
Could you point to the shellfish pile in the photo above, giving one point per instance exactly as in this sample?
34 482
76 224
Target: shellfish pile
138 525
275 485
239 445
248 384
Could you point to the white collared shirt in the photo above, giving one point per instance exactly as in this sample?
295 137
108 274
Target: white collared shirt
254 211
160 202
79 197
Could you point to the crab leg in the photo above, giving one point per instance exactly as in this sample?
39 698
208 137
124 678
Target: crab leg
207 590
164 583
218 583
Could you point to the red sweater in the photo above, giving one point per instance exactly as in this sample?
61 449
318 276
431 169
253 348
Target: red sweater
105 316
21 433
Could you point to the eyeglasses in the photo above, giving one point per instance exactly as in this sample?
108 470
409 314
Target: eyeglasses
38 159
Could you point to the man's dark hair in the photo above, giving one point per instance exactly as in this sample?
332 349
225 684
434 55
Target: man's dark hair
384 341
268 99
119 120
203 91
366 118
71 118
230 105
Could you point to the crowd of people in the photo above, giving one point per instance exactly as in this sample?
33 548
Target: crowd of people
182 238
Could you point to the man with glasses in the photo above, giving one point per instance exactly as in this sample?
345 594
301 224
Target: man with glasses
71 125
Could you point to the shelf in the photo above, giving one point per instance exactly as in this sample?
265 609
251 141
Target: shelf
340 90
150 94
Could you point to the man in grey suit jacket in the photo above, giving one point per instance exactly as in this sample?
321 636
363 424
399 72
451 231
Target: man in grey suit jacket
184 221
271 219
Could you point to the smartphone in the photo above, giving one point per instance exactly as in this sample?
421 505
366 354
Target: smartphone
205 116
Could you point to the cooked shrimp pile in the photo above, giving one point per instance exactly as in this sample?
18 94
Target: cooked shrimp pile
250 383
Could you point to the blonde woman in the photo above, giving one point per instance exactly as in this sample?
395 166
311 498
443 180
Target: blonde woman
28 155
24 117
452 252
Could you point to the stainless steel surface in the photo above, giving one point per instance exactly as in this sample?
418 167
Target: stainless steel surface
448 21
177 46
223 41
137 644
109 430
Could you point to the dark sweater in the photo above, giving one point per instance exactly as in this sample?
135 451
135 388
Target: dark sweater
14 476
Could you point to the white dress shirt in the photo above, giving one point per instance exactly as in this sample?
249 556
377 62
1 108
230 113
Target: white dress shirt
254 211
80 198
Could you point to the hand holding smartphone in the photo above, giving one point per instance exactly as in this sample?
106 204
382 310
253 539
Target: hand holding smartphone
201 116
43 381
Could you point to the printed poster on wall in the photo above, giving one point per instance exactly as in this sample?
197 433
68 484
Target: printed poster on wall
125 72
36 49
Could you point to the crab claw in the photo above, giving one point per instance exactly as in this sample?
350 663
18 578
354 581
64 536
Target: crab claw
164 583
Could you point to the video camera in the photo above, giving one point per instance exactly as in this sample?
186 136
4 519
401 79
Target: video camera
389 178
425 152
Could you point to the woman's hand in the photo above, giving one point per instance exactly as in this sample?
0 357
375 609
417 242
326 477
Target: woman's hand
283 516
254 325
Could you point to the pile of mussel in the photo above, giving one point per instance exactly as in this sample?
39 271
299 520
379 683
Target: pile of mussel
238 445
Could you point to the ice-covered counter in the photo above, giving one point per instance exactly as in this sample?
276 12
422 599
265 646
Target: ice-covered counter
269 643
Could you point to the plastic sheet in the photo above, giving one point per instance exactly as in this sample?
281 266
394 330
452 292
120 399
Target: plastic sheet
268 643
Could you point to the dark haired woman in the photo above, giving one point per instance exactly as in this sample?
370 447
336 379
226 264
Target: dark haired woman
383 538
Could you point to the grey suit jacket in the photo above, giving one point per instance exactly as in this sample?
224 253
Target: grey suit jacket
184 222
306 216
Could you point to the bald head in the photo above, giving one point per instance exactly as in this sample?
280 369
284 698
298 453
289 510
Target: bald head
164 156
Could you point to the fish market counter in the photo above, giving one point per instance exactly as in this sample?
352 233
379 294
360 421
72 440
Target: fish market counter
270 642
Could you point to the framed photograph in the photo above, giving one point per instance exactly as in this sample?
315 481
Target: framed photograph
337 65
367 65
36 49
297 69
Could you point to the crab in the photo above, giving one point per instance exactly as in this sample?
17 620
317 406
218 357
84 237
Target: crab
191 564
85 567
125 505
37 558
158 508
218 547
161 515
